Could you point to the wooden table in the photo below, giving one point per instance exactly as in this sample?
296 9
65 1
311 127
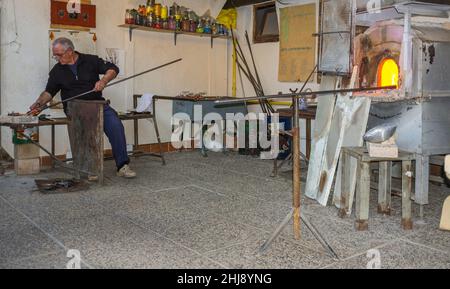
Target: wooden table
308 115
384 185
186 105
53 122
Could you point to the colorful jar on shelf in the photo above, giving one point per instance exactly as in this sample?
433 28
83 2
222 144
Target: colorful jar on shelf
172 23
150 19
149 10
177 24
157 10
158 23
207 27
164 12
165 24
214 28
186 23
199 27
129 19
193 26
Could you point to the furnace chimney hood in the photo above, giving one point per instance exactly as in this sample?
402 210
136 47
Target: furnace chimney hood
368 15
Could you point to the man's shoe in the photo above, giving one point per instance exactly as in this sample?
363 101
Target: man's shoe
126 172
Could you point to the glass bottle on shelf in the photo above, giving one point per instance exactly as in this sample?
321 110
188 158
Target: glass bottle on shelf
129 19
207 27
164 13
134 13
150 20
165 24
200 26
149 8
172 23
157 10
193 26
158 23
214 29
186 23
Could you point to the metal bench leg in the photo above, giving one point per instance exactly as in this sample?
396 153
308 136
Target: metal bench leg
362 197
275 168
155 124
406 195
384 188
345 185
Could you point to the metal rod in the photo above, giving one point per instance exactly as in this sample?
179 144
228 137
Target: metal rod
319 237
57 161
253 59
268 105
306 93
309 78
276 232
296 166
265 106
44 107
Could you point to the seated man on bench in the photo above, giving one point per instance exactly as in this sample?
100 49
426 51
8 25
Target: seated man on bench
76 73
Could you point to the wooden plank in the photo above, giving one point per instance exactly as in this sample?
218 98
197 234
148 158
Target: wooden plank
363 197
297 46
324 114
353 137
347 112
145 28
384 188
445 217
69 27
86 136
345 182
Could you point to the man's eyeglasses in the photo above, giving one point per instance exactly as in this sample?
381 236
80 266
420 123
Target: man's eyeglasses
59 56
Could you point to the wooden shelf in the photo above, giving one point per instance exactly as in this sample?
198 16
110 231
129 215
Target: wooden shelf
132 27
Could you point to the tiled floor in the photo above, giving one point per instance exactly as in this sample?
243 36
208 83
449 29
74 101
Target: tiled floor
199 212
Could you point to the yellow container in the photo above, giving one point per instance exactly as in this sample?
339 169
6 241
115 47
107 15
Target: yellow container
157 10
164 13
149 10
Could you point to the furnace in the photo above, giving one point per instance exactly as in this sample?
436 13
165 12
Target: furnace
413 54
406 44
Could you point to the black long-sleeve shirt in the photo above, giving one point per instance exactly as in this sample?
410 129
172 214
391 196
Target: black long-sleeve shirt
89 67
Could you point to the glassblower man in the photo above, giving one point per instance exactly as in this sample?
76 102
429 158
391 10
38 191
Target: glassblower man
76 73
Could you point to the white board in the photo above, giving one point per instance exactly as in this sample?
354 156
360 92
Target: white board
353 138
325 109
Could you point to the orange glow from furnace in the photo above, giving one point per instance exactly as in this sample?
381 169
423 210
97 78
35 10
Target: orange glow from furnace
388 73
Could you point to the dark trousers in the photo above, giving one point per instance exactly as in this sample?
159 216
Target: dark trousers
115 132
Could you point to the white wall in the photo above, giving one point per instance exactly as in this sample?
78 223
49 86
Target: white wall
24 63
24 58
25 68
267 60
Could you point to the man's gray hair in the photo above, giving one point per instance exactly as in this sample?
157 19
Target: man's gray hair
64 42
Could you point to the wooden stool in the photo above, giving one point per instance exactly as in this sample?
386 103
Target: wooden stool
384 186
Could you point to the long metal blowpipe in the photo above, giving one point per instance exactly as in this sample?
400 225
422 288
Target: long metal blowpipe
44 107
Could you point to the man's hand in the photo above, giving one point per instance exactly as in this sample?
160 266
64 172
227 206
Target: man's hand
35 105
35 109
40 103
100 85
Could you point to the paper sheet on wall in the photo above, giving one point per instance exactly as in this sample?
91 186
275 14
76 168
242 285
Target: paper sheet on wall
297 43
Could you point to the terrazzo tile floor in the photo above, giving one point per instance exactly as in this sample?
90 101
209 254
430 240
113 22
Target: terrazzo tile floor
198 212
